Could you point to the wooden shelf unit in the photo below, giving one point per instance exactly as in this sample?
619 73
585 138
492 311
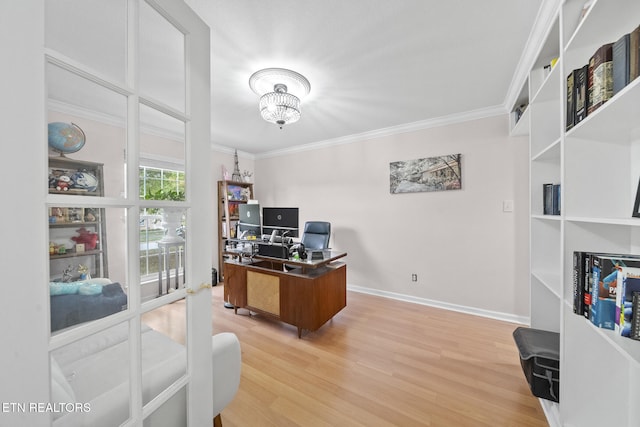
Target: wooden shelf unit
231 194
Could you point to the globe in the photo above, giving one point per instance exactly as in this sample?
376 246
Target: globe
65 137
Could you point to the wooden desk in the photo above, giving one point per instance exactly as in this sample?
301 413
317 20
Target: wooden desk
305 297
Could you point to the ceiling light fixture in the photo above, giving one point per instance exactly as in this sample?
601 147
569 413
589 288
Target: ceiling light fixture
280 91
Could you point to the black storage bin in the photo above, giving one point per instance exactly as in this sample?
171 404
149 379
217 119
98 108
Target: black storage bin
540 360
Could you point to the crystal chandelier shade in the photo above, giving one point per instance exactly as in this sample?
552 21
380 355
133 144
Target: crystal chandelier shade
277 105
280 107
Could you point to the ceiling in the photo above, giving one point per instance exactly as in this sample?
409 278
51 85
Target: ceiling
375 66
372 64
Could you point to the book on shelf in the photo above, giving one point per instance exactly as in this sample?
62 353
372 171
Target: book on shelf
635 322
581 288
571 100
551 199
600 77
628 283
605 269
603 294
580 93
634 53
620 63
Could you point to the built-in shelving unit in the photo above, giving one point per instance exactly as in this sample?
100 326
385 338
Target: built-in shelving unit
597 164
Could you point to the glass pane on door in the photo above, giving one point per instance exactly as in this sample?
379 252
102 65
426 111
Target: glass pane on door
87 123
163 148
92 32
164 355
163 238
90 379
173 412
162 60
87 264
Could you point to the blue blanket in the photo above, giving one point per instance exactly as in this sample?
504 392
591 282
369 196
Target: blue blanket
71 309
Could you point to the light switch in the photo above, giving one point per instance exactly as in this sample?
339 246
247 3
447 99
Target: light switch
507 206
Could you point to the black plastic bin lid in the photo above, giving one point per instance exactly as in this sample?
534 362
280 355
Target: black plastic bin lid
537 343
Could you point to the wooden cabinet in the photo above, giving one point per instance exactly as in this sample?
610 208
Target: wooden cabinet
231 194
304 299
597 164
77 234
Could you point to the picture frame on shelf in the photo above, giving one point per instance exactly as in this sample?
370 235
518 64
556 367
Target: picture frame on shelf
636 205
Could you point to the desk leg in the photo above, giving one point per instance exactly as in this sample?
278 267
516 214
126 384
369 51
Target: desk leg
299 332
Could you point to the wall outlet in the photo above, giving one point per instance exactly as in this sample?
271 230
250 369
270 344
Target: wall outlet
414 277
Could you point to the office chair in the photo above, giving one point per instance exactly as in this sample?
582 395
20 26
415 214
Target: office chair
316 235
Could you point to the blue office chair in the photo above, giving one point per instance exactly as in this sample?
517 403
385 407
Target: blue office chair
316 235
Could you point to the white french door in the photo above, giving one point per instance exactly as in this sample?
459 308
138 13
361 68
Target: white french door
134 76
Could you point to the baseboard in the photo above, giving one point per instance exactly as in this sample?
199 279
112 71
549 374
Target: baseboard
552 412
444 305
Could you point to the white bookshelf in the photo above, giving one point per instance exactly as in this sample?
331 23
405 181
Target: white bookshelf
597 164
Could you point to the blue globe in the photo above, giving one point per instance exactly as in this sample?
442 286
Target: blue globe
65 137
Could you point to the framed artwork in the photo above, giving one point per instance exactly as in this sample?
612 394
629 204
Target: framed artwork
636 205
440 173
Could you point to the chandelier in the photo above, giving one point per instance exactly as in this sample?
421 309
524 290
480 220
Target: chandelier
280 91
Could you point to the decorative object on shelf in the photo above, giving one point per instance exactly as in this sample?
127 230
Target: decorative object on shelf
225 174
84 181
86 237
636 205
246 175
68 176
520 110
84 272
430 174
280 92
236 168
65 138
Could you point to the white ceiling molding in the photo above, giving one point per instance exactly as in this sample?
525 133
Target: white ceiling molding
227 150
85 113
394 130
108 119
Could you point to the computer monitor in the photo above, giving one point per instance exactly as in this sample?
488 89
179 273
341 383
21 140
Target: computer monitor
249 222
282 220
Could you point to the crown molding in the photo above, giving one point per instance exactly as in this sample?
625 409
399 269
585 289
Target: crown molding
85 113
109 119
393 130
228 150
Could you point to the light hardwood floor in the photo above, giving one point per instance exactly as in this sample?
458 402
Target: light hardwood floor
378 362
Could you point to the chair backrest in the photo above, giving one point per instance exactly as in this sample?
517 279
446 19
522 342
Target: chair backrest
316 234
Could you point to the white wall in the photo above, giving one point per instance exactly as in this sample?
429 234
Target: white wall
465 250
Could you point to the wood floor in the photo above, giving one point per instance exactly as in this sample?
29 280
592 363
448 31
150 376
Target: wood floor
379 362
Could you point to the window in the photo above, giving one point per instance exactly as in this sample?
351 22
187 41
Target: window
152 180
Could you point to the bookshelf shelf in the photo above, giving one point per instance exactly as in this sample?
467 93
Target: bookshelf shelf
521 127
548 90
550 152
597 164
550 280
